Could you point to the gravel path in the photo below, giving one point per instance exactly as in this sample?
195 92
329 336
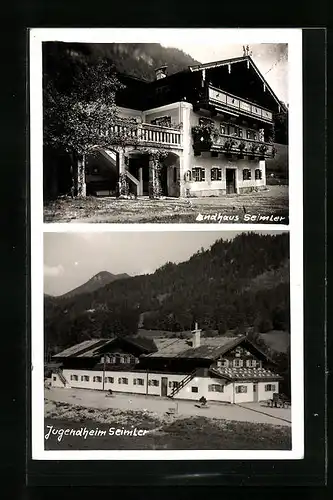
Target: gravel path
248 412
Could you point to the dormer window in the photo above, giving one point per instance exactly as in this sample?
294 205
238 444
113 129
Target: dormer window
238 363
251 363
222 363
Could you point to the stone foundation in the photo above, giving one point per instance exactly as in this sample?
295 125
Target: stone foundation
251 189
206 192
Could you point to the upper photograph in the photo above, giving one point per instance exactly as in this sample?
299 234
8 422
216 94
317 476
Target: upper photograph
153 133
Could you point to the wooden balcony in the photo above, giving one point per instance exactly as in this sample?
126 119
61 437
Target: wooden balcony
235 106
208 139
145 134
242 147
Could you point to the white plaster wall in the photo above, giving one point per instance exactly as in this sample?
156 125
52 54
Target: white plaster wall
226 396
244 397
207 162
186 114
264 395
208 186
185 393
57 382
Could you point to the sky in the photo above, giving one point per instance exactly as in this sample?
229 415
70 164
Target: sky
270 58
71 259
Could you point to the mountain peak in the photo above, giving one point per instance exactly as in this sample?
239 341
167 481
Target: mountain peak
99 280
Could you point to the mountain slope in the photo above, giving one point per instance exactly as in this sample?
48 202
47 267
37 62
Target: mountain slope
141 59
235 284
99 280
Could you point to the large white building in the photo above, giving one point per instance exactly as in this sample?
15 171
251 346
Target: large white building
204 131
227 369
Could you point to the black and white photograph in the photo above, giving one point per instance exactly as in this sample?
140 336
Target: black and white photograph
165 133
181 342
166 244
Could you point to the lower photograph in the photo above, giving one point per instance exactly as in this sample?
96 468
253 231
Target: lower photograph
168 340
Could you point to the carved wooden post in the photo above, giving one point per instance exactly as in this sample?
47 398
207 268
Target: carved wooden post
81 176
123 184
78 172
154 176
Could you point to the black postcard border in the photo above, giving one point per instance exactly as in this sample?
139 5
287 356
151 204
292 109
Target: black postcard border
308 472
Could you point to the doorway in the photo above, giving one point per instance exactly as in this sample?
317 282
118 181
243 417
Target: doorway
164 180
230 177
164 386
255 393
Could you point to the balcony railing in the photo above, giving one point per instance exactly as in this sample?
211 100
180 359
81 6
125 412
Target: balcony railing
145 133
220 98
242 147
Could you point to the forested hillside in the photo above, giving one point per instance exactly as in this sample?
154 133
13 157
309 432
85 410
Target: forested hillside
141 59
135 59
99 280
234 285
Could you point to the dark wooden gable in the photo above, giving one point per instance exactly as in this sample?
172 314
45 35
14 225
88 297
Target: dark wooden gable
243 81
246 350
134 346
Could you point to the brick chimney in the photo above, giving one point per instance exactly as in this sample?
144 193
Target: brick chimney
196 336
161 72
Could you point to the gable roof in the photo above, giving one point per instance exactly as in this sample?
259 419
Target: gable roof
235 60
91 348
210 348
86 347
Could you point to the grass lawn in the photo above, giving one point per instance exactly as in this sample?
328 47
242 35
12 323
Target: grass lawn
233 209
167 432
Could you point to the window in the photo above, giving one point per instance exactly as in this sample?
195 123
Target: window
194 389
97 379
258 174
84 378
238 363
216 174
74 377
251 363
270 388
155 383
109 380
124 380
241 389
173 384
206 121
54 378
251 134
223 129
138 381
198 174
246 174
162 121
216 388
240 132
223 363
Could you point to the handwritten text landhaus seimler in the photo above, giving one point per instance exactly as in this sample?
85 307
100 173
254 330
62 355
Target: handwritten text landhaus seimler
84 433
